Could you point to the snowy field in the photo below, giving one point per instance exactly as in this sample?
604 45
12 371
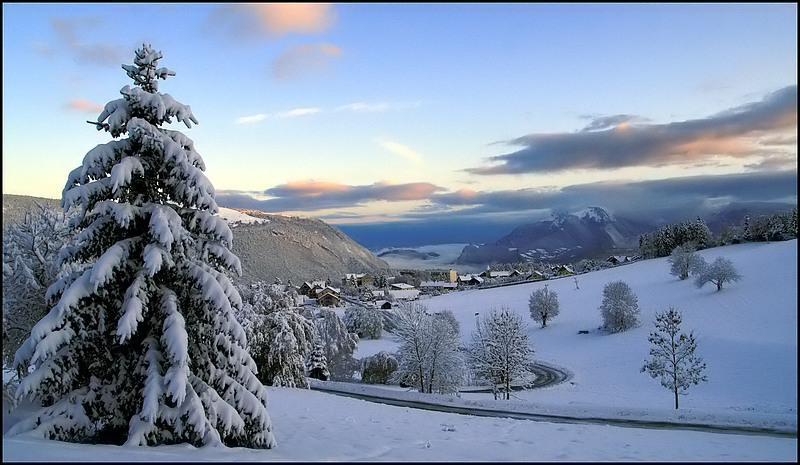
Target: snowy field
747 334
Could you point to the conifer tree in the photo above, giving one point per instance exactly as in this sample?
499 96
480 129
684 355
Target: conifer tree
672 357
317 364
142 346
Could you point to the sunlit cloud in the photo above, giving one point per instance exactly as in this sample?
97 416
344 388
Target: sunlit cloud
304 59
403 151
615 121
732 133
670 199
313 195
85 106
272 20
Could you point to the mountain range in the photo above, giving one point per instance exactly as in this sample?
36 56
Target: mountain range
304 249
565 238
283 247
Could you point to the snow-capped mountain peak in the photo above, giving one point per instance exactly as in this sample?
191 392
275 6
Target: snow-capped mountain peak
596 214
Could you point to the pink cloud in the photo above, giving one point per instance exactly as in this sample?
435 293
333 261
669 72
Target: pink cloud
84 106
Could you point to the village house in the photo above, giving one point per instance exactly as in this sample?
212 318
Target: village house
536 275
469 280
563 270
438 285
499 274
308 288
359 279
327 297
401 287
617 259
405 294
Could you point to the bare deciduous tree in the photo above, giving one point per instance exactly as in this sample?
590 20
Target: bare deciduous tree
672 357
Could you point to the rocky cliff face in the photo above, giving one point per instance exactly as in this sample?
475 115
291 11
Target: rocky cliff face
288 248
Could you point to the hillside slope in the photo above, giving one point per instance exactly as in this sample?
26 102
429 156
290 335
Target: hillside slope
289 248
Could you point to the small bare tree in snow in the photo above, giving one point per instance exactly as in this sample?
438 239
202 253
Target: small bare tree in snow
672 357
718 272
543 304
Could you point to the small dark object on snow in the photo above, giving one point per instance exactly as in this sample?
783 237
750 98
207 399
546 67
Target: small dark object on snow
583 331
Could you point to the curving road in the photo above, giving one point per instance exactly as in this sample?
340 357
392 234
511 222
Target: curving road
545 376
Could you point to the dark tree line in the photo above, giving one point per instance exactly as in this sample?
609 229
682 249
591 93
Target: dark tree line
661 243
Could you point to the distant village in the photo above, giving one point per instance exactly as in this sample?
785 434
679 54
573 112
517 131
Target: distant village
384 292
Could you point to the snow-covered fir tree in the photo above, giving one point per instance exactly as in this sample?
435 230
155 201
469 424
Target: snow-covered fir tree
543 304
672 357
142 346
30 266
620 307
317 364
499 351
280 338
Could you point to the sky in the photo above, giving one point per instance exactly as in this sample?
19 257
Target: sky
382 112
751 364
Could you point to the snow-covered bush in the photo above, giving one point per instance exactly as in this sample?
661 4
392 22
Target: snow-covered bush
142 346
620 307
378 368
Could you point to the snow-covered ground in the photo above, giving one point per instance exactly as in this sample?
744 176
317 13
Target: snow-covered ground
234 217
747 334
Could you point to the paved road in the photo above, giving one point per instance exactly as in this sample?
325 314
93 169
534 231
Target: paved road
545 376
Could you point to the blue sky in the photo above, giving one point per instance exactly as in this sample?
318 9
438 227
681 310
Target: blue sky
385 112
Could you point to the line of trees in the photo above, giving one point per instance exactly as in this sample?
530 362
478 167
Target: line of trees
775 227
